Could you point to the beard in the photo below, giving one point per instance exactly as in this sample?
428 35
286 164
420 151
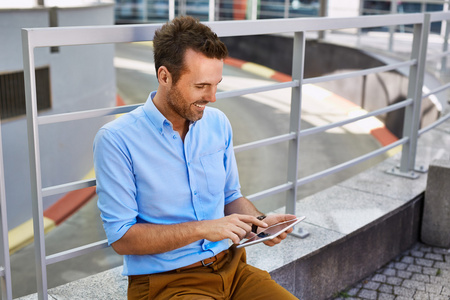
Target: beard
178 104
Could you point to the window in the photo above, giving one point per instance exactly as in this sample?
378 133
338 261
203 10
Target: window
12 92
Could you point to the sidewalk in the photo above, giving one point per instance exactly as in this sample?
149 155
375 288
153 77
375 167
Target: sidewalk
421 272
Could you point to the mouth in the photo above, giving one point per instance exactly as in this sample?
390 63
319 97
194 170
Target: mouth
201 106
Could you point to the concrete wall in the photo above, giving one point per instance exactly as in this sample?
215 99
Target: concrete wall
81 77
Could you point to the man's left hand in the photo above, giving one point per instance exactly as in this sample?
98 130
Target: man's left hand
277 218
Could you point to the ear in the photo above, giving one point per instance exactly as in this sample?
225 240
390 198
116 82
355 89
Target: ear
164 76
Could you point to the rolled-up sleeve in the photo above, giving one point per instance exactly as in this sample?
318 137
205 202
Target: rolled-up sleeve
116 187
232 186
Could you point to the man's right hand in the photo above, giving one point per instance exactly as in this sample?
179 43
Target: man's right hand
234 227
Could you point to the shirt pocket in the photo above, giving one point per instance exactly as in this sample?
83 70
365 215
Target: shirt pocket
214 170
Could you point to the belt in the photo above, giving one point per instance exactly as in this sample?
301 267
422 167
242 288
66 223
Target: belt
207 261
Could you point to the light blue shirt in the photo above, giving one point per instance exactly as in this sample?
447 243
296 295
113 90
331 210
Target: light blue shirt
146 174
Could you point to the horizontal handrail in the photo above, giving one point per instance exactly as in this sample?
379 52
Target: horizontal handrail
350 163
439 16
103 112
438 55
86 114
265 142
67 187
69 36
272 191
386 68
436 90
75 252
259 89
434 124
374 113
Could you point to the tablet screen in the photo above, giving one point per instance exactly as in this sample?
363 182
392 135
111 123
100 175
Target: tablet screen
269 232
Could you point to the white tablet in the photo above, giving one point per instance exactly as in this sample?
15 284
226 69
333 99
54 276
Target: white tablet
269 232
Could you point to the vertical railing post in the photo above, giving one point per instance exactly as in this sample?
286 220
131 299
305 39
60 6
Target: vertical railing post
323 12
411 124
211 10
144 11
5 279
254 14
171 9
287 3
359 30
445 44
295 126
35 166
393 27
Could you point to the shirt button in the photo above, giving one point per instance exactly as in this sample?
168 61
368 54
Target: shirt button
195 192
174 136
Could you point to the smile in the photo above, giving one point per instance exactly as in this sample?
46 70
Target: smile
199 105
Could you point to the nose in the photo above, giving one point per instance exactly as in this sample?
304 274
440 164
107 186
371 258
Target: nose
211 97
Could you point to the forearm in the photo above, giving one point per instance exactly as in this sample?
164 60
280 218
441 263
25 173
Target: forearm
242 206
143 239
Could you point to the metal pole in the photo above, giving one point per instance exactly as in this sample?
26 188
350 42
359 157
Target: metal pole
144 11
181 7
35 166
445 24
254 15
287 3
412 112
5 279
392 28
323 13
171 9
359 30
298 62
211 10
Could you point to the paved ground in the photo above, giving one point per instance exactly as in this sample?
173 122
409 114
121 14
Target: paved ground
422 272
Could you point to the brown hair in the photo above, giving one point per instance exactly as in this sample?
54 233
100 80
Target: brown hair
173 39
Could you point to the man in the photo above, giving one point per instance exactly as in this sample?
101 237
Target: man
168 184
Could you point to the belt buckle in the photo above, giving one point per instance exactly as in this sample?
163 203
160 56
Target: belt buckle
210 263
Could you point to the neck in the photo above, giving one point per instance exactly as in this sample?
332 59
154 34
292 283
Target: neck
182 130
179 124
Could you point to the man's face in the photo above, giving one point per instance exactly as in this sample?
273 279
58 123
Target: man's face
196 87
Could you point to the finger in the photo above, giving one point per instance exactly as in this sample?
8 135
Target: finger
270 243
282 236
235 238
252 220
276 218
241 233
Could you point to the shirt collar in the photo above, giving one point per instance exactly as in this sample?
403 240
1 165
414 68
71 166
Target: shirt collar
154 115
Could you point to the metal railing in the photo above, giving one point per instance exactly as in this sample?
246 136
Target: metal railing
5 268
48 37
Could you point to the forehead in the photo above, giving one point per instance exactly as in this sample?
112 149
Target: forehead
200 68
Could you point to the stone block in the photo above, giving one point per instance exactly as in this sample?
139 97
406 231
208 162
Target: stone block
436 213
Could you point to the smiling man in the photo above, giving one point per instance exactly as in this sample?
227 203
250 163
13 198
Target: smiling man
168 184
